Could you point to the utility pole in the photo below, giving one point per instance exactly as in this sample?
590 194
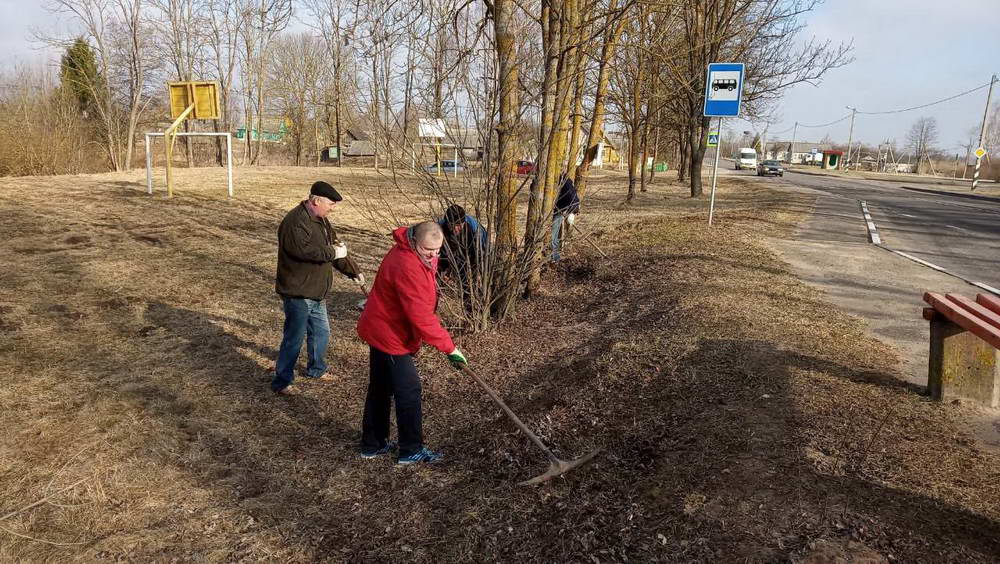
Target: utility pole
968 153
982 133
791 148
850 137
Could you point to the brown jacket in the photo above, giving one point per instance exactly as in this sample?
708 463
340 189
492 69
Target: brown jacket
305 253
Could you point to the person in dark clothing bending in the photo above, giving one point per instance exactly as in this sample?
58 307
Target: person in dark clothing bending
465 242
564 212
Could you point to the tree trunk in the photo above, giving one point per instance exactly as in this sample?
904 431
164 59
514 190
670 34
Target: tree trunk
574 143
505 278
596 134
698 146
683 158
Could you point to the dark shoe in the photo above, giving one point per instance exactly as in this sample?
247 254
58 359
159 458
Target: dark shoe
386 449
424 455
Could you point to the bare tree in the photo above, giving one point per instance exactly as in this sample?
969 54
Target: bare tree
297 69
763 34
922 138
336 22
223 21
181 30
118 32
263 21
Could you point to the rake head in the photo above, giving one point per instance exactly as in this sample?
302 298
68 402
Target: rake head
558 467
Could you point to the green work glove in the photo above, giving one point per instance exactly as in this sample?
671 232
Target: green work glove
457 359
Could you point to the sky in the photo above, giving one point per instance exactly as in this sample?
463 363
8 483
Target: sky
907 53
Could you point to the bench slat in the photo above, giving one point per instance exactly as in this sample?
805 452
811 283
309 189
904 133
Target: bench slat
991 303
964 319
976 309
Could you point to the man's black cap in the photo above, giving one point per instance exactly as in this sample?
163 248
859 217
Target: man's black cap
321 188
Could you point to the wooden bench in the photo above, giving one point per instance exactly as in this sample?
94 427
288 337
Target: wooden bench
965 348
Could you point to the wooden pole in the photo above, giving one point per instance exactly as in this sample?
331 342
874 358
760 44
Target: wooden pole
169 138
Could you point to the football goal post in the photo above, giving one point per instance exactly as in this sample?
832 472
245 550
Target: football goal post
229 155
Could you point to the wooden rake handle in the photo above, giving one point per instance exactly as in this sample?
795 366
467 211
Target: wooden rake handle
513 417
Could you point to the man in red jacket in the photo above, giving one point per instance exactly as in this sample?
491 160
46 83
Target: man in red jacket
398 318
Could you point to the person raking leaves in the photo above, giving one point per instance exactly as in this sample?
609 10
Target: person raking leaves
400 316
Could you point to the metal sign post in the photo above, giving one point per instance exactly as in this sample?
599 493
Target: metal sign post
715 177
723 95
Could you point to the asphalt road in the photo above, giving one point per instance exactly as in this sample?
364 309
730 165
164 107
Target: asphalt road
955 231
830 251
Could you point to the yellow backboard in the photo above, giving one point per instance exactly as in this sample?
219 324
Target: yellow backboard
204 96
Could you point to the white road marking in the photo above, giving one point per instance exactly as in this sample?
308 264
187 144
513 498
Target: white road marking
872 230
877 241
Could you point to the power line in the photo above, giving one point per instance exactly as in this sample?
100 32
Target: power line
941 101
930 104
827 124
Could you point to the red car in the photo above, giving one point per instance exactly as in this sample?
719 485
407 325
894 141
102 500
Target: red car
525 167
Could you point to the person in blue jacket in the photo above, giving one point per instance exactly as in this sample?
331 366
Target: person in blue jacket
465 244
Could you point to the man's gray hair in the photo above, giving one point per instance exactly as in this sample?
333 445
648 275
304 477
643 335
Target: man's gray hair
313 198
428 230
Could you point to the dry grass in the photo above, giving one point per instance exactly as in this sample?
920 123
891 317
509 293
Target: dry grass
740 416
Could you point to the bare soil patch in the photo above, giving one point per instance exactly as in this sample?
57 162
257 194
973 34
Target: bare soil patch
740 417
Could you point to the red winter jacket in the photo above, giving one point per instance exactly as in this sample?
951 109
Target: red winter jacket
400 313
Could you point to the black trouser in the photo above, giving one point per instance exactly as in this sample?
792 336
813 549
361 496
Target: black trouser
392 376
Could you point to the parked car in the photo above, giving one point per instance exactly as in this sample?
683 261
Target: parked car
446 166
766 168
525 167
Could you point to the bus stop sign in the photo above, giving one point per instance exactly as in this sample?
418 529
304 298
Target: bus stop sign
723 89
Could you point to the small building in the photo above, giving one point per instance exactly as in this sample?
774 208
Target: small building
360 148
328 154
804 152
469 141
831 159
355 134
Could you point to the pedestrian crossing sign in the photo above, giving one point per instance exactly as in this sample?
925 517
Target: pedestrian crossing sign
713 139
980 153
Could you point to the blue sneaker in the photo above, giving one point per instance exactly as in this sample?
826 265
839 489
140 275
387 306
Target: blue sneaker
386 449
423 455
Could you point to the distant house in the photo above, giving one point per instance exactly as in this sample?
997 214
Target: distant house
469 141
360 148
274 131
355 134
804 152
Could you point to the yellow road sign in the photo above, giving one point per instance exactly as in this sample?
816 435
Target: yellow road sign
980 153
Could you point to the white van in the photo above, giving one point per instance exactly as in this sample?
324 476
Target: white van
745 157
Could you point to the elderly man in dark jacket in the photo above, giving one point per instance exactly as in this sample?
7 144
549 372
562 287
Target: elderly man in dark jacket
308 251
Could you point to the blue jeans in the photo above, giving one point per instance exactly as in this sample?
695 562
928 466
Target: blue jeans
303 318
557 222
